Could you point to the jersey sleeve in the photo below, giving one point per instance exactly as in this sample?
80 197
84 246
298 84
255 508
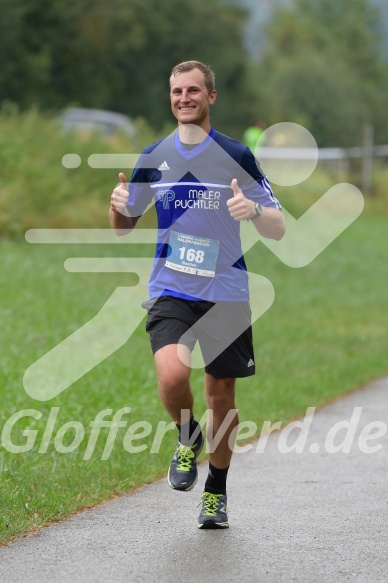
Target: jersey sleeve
140 192
254 183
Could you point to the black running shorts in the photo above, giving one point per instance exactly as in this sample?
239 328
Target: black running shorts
223 330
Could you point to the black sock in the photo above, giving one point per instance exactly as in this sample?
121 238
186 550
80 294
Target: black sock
189 432
216 480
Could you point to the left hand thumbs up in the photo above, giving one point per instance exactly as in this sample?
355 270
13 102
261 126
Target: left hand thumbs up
239 206
235 187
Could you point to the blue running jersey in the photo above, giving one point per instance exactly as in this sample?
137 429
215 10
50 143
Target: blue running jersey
198 250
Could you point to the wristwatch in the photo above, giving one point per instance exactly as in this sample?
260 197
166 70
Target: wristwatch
258 212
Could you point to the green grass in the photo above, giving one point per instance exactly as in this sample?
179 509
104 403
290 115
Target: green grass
324 335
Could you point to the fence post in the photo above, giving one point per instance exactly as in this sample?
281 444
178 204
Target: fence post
367 159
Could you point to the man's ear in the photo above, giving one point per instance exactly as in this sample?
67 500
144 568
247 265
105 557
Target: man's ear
212 96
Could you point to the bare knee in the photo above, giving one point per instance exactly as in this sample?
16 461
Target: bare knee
220 394
173 374
172 380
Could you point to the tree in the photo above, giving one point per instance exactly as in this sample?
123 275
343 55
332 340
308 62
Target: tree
31 35
322 96
118 54
323 67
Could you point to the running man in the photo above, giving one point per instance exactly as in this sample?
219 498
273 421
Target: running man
203 184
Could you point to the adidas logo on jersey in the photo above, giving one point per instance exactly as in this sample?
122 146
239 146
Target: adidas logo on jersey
164 166
251 363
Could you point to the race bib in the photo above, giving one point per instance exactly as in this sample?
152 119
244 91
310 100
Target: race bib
191 254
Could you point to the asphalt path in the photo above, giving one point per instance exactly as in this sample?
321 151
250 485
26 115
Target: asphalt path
315 516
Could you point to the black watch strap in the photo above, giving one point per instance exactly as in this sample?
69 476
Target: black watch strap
258 211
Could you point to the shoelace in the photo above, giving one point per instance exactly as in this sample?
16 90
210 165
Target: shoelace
210 502
185 455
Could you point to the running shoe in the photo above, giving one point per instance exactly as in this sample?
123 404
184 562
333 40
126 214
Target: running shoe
214 511
183 474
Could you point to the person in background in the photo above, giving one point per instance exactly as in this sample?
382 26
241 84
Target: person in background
254 135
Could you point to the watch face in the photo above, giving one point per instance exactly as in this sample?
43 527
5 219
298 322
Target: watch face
258 209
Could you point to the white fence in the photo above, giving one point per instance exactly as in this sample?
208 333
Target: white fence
367 152
271 153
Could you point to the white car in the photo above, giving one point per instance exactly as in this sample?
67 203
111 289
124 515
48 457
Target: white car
87 121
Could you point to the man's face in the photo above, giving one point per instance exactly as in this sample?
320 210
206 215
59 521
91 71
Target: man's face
190 100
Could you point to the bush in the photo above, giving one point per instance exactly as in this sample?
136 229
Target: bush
37 191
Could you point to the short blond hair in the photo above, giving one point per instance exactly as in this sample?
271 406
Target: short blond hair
186 66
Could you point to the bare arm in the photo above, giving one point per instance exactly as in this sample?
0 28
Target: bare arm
269 224
119 217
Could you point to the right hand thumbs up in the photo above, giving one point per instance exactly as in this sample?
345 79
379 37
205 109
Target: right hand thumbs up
119 198
123 180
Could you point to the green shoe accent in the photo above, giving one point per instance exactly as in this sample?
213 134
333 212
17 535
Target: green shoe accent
214 511
183 474
185 456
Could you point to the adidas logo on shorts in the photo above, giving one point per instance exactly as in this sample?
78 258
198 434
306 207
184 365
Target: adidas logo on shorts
250 362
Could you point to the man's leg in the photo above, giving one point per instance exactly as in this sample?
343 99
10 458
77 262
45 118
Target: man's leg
177 398
173 382
222 416
220 397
